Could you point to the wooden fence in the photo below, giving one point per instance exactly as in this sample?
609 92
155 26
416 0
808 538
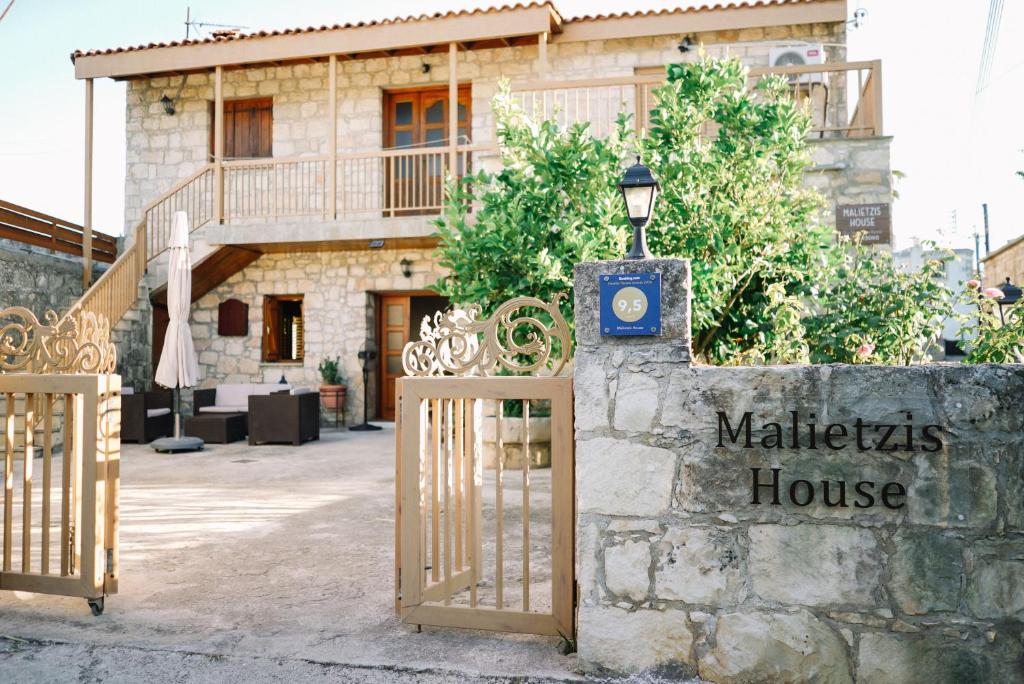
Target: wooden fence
40 230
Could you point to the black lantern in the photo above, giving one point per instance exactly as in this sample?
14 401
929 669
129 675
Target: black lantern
168 104
406 267
1011 295
639 192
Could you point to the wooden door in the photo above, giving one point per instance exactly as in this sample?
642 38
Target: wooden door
271 323
418 119
394 334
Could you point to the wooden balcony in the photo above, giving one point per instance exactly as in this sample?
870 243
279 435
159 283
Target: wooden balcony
844 99
376 194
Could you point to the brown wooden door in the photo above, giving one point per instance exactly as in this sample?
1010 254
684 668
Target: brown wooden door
417 119
394 334
271 324
248 128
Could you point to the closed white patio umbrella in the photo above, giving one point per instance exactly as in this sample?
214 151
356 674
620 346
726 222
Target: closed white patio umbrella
178 367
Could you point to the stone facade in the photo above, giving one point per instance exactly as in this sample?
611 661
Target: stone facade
164 149
681 573
338 311
1005 262
39 281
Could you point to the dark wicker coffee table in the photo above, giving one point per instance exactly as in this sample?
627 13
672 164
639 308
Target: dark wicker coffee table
217 428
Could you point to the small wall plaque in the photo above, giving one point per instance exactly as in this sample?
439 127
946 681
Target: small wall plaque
232 318
630 304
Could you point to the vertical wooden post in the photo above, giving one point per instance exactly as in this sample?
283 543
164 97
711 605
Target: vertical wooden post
876 95
87 218
453 111
332 102
542 52
218 144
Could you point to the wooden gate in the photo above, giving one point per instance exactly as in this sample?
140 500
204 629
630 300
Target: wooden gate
61 444
479 545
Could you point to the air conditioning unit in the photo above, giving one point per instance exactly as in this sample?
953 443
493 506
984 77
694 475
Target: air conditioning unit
799 55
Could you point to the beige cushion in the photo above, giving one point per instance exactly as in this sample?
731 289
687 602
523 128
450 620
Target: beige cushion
266 388
153 413
301 390
233 395
126 391
225 409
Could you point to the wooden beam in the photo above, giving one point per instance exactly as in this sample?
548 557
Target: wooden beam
87 218
332 103
453 111
685 21
510 22
542 52
218 144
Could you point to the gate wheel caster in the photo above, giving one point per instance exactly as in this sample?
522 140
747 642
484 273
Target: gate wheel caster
96 606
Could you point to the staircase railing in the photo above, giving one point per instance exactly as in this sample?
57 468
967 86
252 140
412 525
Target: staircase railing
116 291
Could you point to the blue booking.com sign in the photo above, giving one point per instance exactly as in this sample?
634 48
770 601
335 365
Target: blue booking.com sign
630 304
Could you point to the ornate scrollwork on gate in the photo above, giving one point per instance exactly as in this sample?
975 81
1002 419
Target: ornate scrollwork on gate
72 344
458 343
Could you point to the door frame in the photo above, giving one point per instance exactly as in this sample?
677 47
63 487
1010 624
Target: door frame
379 339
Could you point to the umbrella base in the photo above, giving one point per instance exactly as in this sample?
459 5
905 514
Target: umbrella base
173 445
365 427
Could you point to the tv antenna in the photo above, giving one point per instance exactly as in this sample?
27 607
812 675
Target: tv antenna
859 15
191 23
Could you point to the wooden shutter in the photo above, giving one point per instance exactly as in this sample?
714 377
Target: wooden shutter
248 128
271 329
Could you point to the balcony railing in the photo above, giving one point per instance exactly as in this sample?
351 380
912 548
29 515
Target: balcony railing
844 99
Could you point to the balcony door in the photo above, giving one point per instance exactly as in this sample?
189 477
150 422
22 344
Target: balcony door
415 121
248 128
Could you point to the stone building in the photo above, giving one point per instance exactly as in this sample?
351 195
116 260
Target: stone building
1005 262
311 160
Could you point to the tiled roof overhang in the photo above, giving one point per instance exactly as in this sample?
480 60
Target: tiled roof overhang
489 27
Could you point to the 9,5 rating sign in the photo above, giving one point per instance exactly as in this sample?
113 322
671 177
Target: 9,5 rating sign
630 304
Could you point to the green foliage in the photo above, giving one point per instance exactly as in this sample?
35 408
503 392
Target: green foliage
770 284
994 338
330 371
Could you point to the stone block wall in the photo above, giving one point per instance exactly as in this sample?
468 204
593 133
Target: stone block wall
893 554
338 313
163 149
39 281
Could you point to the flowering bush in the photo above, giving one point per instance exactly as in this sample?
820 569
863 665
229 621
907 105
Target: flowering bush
994 337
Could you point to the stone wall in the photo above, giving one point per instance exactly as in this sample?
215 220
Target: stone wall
163 149
682 573
1005 262
39 281
338 313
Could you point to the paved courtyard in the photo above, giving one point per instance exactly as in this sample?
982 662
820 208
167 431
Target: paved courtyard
256 564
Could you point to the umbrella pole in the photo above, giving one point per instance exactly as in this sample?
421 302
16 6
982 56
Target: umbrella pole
177 412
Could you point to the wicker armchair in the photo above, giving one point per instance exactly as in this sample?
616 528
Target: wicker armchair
146 416
284 417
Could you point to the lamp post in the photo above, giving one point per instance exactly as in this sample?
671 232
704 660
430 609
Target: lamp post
1011 294
639 191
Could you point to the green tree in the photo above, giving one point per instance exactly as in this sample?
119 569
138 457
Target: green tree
730 159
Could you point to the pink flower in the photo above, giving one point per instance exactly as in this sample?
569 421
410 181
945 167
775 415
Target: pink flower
973 284
865 350
992 293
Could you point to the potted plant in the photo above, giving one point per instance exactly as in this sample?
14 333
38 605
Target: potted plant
332 391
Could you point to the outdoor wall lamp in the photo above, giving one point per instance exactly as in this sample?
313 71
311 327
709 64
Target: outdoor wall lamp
425 68
685 44
168 104
406 267
639 191
1011 294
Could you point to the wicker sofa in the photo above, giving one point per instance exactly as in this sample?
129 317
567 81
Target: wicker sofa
273 412
146 416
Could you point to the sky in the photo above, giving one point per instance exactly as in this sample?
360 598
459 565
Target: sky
957 147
